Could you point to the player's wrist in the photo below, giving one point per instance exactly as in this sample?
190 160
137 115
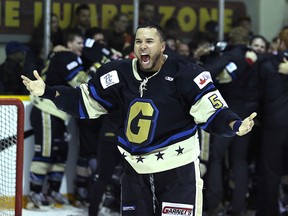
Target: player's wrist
49 93
236 125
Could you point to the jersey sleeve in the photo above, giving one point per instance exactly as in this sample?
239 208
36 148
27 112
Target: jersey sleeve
99 96
207 106
65 67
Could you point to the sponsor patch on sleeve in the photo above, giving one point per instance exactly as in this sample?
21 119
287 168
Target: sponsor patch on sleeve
109 79
89 42
72 65
231 67
172 209
203 79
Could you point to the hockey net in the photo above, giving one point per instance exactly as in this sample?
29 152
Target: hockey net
11 156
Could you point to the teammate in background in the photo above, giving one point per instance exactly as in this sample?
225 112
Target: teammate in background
274 129
161 101
49 125
97 34
234 77
259 44
95 53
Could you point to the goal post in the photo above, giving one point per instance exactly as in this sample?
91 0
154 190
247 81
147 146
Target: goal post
11 156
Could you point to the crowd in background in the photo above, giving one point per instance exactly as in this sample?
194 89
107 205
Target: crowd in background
240 173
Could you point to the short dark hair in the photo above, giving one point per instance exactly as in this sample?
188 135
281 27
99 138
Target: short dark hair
81 7
260 37
92 31
156 26
70 34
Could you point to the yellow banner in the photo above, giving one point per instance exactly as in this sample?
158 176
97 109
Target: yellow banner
192 15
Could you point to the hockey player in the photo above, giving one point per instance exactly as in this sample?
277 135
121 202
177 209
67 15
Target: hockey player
161 101
48 122
95 53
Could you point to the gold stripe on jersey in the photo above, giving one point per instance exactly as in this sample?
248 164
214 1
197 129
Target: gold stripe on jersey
93 108
166 158
224 77
58 167
79 78
83 171
40 168
48 106
199 188
204 108
205 145
46 122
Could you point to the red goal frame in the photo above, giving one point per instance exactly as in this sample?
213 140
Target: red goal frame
19 157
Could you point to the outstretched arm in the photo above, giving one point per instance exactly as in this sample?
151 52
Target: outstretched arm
35 87
243 127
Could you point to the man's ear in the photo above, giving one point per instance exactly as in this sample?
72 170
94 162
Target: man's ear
163 46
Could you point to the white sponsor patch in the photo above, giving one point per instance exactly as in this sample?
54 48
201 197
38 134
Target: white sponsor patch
72 65
203 79
172 209
89 43
79 60
169 78
129 208
231 67
105 51
109 79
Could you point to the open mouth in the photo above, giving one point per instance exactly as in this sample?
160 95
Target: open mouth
145 59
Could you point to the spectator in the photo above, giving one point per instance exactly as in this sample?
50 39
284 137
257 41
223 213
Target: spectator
35 59
172 28
82 18
12 67
118 36
147 12
184 50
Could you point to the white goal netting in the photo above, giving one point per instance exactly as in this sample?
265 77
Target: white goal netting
11 156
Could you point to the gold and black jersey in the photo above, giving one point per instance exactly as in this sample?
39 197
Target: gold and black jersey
96 54
65 68
62 68
159 114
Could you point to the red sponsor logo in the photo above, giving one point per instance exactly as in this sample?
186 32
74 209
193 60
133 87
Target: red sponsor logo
177 210
202 81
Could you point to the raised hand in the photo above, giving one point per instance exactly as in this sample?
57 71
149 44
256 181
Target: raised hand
246 125
283 67
35 87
